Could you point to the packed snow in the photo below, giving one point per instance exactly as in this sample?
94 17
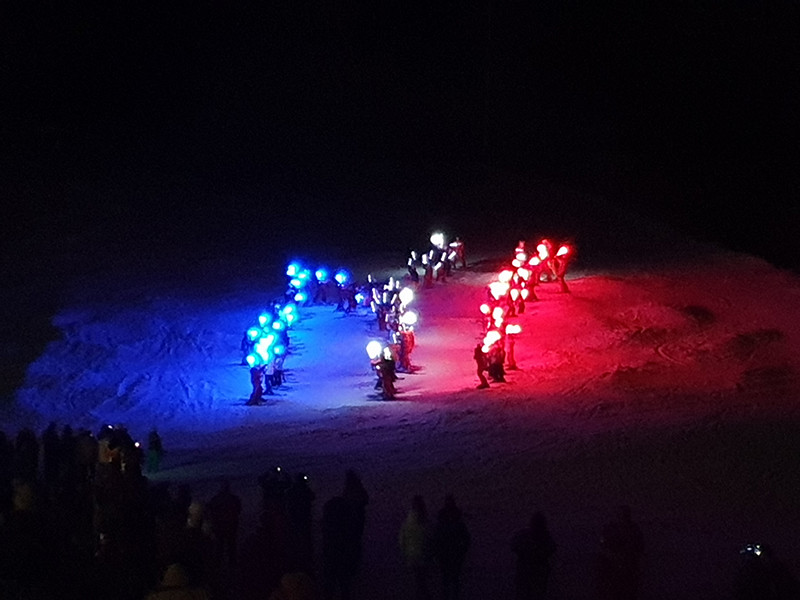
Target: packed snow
667 385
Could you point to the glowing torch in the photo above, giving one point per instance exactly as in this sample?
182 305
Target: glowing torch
374 350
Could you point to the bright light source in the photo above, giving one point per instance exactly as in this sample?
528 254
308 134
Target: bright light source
437 239
262 350
513 328
374 349
406 295
498 289
408 318
490 338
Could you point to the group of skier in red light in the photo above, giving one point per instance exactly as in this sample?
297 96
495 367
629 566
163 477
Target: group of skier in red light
506 297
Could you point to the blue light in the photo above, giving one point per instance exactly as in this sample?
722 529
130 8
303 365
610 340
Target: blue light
300 297
321 274
292 269
262 350
341 276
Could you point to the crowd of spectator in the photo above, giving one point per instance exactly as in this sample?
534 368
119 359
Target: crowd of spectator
79 519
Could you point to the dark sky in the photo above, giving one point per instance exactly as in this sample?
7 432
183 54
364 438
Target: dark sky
182 110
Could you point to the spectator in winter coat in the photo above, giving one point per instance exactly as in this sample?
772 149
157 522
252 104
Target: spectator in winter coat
300 506
155 451
341 547
416 545
223 510
355 493
451 542
534 547
621 548
175 585
266 554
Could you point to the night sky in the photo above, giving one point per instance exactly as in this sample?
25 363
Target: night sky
197 118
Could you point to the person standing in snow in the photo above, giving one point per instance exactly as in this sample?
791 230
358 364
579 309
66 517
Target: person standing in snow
534 547
224 510
155 451
357 496
495 359
341 547
256 380
417 546
300 506
451 542
621 549
480 364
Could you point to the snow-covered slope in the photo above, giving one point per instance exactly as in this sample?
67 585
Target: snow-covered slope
670 387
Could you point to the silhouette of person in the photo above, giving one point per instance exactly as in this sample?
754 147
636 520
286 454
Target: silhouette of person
416 545
451 542
340 547
356 495
621 549
224 510
534 547
299 503
480 365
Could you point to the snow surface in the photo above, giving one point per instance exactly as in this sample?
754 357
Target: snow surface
668 385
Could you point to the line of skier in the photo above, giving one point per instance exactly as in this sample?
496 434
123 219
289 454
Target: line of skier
506 299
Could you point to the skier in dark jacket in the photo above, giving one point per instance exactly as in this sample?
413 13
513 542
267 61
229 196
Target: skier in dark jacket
481 365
